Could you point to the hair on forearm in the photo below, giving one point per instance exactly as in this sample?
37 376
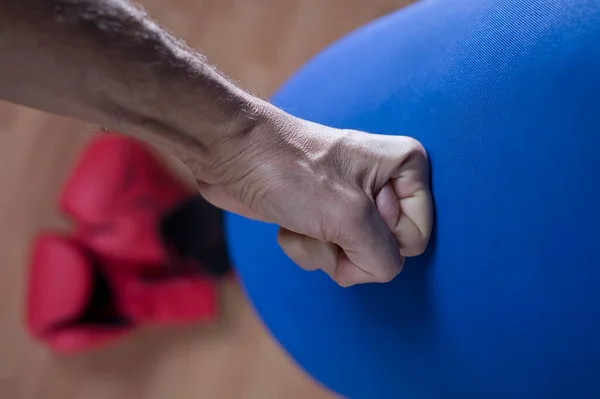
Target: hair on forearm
108 62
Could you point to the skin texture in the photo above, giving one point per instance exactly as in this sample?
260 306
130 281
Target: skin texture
351 204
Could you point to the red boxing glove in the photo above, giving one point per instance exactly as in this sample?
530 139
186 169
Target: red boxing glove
117 193
142 229
70 305
173 300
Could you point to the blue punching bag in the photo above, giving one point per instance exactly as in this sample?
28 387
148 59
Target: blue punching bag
505 303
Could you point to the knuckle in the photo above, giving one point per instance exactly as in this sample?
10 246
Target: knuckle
414 148
344 284
387 275
413 251
418 251
417 158
424 239
417 247
421 246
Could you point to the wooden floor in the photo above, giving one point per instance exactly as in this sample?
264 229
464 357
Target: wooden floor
259 43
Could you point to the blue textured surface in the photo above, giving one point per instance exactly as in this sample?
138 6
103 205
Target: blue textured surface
505 96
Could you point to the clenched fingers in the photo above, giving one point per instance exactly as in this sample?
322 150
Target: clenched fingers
409 218
359 249
371 251
309 253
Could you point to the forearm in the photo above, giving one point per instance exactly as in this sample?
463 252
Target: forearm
105 62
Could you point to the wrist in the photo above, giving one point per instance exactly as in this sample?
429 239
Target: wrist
216 145
230 138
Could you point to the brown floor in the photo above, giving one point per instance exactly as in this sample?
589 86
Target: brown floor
257 42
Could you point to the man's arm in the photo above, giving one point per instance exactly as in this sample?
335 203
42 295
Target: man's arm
106 62
347 202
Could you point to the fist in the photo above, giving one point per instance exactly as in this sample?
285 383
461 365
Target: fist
351 204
